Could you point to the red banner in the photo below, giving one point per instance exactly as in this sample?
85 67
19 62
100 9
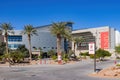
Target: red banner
104 40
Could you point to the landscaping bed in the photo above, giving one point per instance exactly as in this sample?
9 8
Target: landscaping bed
111 72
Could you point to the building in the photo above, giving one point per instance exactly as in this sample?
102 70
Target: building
117 37
103 37
15 39
44 39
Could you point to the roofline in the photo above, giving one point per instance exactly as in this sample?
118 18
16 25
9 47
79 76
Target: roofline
43 26
91 28
51 25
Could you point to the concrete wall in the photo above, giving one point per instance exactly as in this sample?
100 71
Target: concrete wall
112 39
96 32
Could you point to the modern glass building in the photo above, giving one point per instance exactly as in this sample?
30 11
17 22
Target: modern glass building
104 37
44 39
14 40
17 39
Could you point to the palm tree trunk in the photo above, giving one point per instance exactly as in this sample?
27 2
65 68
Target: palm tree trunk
58 46
74 49
6 37
30 55
59 49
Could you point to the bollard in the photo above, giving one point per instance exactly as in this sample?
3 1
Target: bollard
115 62
40 61
45 61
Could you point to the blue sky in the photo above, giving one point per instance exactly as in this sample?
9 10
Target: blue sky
84 13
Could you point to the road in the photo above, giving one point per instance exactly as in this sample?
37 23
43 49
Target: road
75 71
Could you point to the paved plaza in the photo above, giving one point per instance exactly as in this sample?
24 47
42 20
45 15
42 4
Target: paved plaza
74 71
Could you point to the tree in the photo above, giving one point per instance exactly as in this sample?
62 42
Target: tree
16 56
29 31
60 30
2 48
77 40
23 50
117 49
6 29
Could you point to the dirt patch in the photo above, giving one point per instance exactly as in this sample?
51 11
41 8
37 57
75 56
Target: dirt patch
111 72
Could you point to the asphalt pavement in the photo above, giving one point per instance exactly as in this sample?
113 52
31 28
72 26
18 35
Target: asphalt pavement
75 71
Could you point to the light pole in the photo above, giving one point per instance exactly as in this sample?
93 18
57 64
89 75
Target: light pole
92 51
94 62
95 43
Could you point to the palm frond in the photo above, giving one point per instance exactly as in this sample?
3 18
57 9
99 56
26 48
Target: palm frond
60 28
6 27
78 39
29 30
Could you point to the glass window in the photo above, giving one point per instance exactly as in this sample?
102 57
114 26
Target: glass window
44 47
15 46
15 38
52 47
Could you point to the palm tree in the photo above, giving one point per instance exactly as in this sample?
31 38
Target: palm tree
77 40
29 31
60 31
6 29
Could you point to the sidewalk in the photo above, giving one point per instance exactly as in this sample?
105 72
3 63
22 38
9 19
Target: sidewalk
48 64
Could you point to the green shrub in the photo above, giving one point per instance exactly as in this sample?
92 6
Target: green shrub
84 54
17 56
41 54
1 57
65 56
118 65
54 57
23 50
51 53
35 57
100 53
117 49
91 56
40 57
65 59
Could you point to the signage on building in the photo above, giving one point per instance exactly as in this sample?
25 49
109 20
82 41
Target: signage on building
104 40
92 48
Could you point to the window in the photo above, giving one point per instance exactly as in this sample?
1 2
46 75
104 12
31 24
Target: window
15 38
44 47
15 46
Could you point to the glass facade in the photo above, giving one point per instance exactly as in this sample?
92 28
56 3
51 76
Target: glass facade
13 46
14 38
